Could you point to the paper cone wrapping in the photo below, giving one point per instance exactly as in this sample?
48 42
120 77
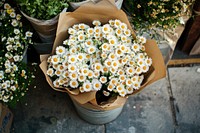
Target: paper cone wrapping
76 5
46 29
102 11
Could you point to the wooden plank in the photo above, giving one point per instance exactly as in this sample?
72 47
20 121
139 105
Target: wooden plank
178 62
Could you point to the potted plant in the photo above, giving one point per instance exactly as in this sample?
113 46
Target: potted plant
14 74
43 15
99 61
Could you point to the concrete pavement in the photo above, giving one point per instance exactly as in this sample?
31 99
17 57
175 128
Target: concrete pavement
171 105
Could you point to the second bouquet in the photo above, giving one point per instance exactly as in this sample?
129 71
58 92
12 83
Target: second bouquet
99 61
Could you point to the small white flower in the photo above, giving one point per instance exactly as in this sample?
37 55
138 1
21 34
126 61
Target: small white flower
123 26
90 74
29 34
90 31
127 32
122 93
120 88
7 6
12 14
142 39
110 87
106 28
122 78
128 82
129 90
58 73
98 67
85 71
138 70
81 38
97 30
55 59
73 84
50 72
87 86
148 61
96 23
118 32
60 50
18 17
71 31
103 79
144 68
91 49
81 78
16 58
56 83
117 23
96 84
13 88
130 71
81 57
115 64
73 75
135 47
72 59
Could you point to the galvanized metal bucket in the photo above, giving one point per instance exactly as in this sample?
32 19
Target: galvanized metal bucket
95 116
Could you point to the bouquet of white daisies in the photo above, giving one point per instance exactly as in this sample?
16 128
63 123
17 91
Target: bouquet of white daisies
103 57
97 58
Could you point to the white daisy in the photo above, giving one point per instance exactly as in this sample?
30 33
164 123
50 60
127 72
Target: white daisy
12 14
122 93
115 64
96 84
73 84
87 86
72 59
58 73
81 38
60 50
90 31
117 23
120 88
129 90
135 47
148 61
123 26
122 78
96 23
50 72
91 49
73 75
118 32
29 34
129 82
106 28
97 67
85 71
103 79
81 57
16 31
55 59
110 87
81 78
138 70
127 32
14 23
130 71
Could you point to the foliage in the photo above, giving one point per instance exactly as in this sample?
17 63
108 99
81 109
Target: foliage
164 14
14 74
42 9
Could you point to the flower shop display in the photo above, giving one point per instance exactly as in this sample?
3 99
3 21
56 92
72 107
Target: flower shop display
99 61
43 16
77 3
163 21
14 75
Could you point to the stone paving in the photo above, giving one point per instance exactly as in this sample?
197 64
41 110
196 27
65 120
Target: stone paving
171 105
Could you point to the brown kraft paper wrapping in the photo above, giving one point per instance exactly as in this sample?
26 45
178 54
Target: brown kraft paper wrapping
103 11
